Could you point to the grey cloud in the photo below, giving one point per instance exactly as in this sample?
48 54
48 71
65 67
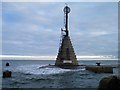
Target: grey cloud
93 29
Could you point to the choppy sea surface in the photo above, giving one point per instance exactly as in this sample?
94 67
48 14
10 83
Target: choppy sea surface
28 74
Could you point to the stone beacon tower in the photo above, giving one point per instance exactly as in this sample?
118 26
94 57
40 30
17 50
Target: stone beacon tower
66 55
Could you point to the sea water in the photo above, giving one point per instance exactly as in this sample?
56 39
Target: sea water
28 74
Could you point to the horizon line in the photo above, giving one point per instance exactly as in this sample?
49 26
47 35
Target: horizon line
53 57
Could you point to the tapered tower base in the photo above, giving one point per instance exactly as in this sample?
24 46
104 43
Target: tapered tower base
66 55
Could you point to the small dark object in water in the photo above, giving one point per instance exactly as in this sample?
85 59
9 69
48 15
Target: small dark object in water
7 64
110 83
7 74
98 64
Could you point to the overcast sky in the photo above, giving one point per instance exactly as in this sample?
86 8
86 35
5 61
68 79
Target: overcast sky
34 28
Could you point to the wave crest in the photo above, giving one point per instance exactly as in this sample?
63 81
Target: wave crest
35 69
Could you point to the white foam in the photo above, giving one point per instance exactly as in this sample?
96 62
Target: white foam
35 69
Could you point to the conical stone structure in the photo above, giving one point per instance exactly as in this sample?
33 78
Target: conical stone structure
66 55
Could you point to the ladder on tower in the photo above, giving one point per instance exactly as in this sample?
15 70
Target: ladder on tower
61 37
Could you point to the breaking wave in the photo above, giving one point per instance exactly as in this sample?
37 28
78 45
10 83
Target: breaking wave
36 69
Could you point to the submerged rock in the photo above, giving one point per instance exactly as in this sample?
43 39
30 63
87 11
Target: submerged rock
7 74
109 83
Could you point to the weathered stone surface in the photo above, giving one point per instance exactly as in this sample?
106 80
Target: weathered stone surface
7 74
109 83
100 69
66 52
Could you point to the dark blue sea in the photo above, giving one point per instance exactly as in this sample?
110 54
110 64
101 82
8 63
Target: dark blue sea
28 74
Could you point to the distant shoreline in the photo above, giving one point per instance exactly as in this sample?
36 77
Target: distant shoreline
18 57
54 59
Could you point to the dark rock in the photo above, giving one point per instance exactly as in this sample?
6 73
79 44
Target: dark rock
110 83
7 74
7 64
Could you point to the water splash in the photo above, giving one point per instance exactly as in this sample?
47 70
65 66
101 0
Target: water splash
35 69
